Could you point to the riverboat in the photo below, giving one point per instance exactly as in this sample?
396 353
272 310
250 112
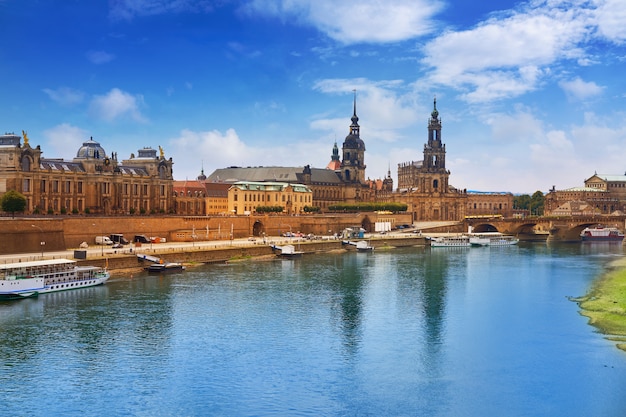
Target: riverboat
601 234
164 267
493 240
30 279
287 251
361 245
450 241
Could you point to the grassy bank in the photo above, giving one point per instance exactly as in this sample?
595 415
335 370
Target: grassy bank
605 304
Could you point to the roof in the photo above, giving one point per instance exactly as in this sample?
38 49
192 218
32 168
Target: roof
273 174
131 170
60 165
610 178
270 186
583 189
44 262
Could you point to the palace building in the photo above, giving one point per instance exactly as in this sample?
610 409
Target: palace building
93 182
601 194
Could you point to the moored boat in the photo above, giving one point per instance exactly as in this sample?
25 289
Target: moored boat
361 245
287 251
165 267
493 240
601 234
450 241
30 279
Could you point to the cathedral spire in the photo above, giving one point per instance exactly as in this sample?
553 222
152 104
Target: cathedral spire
354 127
435 113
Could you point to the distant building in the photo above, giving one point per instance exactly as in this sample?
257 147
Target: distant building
342 181
245 197
604 193
93 181
424 185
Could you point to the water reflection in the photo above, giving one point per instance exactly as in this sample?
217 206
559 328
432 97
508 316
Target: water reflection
412 331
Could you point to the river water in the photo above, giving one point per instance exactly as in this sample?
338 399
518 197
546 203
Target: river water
404 332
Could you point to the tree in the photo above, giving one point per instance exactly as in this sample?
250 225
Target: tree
13 202
536 203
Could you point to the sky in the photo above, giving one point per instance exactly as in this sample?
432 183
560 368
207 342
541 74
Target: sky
531 94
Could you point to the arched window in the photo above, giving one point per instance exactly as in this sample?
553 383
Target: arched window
26 163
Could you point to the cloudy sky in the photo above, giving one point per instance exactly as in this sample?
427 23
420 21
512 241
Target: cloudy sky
531 94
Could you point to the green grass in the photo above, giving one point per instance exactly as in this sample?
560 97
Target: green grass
605 304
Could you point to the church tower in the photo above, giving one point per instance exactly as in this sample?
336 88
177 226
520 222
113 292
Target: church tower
433 174
353 162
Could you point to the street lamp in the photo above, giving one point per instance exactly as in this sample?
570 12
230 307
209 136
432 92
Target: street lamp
42 243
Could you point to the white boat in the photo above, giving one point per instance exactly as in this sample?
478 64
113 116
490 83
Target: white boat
601 234
450 241
361 245
29 279
288 251
493 240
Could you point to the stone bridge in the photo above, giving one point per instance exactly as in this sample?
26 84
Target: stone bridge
562 228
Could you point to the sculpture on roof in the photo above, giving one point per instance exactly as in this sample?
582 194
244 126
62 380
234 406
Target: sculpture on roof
25 137
161 152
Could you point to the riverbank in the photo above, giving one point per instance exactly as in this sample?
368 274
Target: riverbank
124 262
605 304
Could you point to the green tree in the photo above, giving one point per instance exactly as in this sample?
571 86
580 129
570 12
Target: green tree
536 203
521 202
13 202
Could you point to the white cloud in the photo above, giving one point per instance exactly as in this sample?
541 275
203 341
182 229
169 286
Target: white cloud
214 149
611 15
580 89
521 126
117 104
507 56
65 96
381 108
64 140
355 22
100 57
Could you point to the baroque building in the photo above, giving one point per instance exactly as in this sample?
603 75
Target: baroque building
601 194
424 185
93 182
342 181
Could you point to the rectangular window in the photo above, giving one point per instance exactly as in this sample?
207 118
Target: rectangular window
80 187
43 186
26 185
55 186
68 187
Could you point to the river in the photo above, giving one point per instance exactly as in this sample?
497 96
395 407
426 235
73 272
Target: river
404 332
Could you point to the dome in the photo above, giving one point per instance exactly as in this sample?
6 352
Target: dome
91 149
354 142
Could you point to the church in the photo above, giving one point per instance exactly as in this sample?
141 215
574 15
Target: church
424 186
342 181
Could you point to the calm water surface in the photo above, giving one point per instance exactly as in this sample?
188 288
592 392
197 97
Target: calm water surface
407 332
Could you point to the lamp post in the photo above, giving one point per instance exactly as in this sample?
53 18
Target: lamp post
42 243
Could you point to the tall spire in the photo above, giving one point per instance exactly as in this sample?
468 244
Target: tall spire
354 127
435 113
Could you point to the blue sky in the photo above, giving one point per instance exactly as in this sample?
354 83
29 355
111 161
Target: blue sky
531 94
